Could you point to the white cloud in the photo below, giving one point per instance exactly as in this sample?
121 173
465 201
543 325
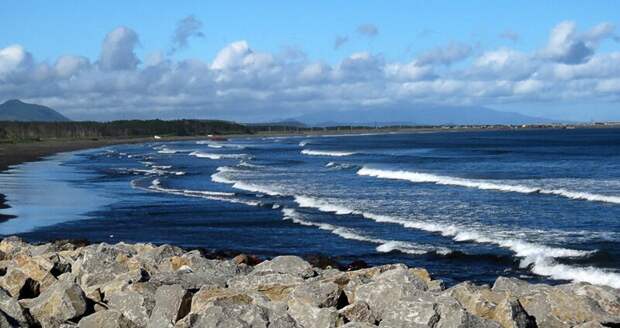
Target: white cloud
12 58
68 65
117 50
567 46
244 83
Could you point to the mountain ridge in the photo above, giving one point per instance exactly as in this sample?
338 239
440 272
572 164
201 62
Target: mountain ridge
420 115
17 110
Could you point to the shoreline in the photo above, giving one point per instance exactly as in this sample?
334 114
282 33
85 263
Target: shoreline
76 284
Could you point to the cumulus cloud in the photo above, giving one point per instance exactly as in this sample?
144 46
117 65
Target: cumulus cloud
247 84
117 50
445 55
567 46
340 41
188 27
13 58
369 30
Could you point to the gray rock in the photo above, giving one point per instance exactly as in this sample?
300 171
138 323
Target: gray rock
60 302
106 319
453 315
293 265
317 293
309 316
276 286
132 305
358 311
172 303
227 314
382 294
358 325
419 312
4 321
496 305
188 279
12 309
590 324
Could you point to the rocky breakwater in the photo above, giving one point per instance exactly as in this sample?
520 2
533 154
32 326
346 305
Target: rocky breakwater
68 284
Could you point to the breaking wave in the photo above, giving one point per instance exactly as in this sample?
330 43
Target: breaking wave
326 153
539 258
342 166
483 185
156 186
385 246
200 154
152 171
221 177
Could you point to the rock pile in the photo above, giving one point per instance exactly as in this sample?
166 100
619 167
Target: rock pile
65 284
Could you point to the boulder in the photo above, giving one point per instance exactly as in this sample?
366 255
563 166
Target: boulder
493 305
419 312
453 315
106 319
276 286
172 303
60 302
309 316
18 284
13 245
358 311
4 321
385 289
358 325
13 310
564 305
227 316
317 293
292 265
134 306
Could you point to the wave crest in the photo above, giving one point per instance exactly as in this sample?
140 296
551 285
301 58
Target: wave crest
326 153
418 177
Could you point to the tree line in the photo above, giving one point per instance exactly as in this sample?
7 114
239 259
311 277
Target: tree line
117 129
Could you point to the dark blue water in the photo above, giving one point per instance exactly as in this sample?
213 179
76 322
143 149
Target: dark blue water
541 205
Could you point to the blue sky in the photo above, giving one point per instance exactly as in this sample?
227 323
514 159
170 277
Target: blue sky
406 30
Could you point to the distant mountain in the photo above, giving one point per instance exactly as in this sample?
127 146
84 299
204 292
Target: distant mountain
288 123
17 110
418 115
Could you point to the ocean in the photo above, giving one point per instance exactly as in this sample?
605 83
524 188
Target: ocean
541 205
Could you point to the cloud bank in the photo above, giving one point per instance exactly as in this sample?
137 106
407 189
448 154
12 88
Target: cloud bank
246 84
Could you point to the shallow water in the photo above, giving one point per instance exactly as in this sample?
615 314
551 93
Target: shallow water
540 205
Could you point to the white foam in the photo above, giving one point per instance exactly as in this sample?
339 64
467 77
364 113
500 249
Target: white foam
152 171
326 153
304 143
385 246
246 164
419 177
311 202
221 177
167 151
540 257
212 195
340 166
201 154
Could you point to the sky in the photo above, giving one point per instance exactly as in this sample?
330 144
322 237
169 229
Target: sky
263 61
